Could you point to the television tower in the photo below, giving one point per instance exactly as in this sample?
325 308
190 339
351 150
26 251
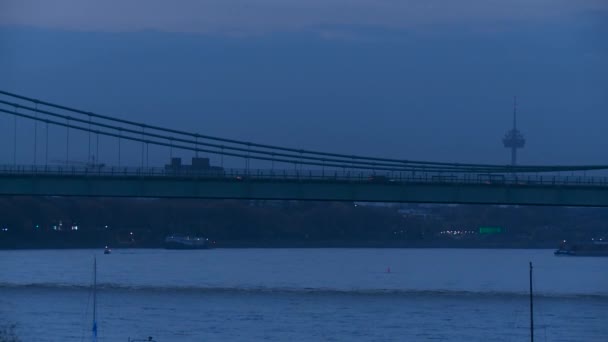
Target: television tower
513 138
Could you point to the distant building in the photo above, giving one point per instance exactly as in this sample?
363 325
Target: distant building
199 166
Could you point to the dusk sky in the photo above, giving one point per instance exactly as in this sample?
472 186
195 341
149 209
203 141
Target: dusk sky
414 79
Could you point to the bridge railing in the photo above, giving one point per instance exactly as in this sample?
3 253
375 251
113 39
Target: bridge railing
312 175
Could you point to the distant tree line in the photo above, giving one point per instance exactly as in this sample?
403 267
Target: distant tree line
145 222
56 222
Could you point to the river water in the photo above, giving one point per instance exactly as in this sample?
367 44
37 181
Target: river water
304 295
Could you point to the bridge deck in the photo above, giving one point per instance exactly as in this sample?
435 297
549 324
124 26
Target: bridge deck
422 189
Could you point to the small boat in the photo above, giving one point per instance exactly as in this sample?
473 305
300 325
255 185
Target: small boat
597 247
176 241
107 250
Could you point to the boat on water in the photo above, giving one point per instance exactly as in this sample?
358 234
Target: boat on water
177 241
595 247
107 250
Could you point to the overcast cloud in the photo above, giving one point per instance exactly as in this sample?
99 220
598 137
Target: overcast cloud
254 17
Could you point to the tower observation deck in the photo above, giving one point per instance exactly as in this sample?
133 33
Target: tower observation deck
513 139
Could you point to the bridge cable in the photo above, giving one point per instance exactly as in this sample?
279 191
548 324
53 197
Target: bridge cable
35 137
75 119
238 142
185 147
340 164
119 139
142 147
15 140
183 140
494 168
96 160
89 152
207 144
46 152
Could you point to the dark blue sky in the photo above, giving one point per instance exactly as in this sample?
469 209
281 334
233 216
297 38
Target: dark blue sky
439 89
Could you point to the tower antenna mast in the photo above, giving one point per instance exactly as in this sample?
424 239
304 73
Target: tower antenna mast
513 139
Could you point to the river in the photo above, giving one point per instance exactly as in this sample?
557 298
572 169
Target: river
294 295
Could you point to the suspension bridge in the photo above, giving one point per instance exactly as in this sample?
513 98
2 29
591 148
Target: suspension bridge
121 159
